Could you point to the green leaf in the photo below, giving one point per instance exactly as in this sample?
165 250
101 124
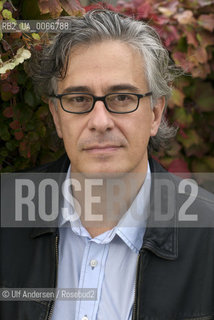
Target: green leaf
6 96
30 125
11 145
183 117
21 78
182 45
206 103
166 161
8 169
1 5
199 37
33 136
177 97
42 112
203 94
35 36
199 166
42 131
7 14
23 112
174 151
192 138
4 133
4 152
209 160
30 10
29 98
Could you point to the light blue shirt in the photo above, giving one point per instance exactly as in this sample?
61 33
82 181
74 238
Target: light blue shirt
107 262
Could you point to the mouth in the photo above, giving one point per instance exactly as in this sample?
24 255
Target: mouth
102 149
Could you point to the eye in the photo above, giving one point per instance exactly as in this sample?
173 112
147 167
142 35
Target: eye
76 99
122 97
79 99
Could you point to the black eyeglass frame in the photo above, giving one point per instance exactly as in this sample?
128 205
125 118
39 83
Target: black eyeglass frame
103 99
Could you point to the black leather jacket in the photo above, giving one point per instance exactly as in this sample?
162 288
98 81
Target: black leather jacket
175 276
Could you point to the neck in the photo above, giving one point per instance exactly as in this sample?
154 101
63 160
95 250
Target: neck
102 201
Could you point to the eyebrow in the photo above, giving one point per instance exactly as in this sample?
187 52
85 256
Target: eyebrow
125 86
76 89
114 88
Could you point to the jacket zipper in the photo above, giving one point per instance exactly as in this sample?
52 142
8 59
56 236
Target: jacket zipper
57 259
134 316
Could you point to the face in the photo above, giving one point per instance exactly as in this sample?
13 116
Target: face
100 141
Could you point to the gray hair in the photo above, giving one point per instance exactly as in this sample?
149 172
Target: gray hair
50 65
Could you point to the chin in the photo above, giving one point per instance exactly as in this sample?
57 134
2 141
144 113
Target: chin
103 171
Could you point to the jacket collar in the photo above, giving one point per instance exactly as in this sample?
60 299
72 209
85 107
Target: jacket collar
161 240
59 166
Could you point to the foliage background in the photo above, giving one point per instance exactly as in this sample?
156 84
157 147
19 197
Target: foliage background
186 27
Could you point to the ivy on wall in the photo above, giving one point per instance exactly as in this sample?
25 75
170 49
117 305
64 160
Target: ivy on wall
186 27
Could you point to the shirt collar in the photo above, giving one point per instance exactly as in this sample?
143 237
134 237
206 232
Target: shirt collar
131 226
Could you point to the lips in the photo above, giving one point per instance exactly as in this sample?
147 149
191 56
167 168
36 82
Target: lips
102 148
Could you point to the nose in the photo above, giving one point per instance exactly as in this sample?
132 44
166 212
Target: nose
100 119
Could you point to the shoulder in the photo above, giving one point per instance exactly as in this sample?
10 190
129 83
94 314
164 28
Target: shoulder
192 204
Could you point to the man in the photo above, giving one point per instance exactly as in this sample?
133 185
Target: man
108 83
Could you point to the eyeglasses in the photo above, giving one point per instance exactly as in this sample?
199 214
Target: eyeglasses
80 103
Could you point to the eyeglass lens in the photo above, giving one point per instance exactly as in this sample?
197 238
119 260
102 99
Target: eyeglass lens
115 102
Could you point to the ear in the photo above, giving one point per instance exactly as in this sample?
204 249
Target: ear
157 115
56 118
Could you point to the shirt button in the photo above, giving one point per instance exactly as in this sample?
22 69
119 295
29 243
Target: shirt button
93 263
84 318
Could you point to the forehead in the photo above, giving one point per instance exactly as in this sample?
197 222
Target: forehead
104 64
